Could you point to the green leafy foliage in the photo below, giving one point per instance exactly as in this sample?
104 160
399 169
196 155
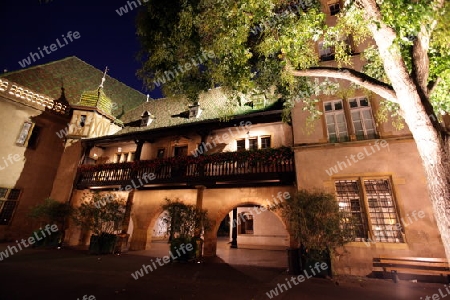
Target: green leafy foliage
184 220
100 213
256 42
51 211
387 109
315 220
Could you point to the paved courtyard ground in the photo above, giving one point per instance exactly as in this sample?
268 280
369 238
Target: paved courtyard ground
71 274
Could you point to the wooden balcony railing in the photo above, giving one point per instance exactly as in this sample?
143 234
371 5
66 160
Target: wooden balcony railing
238 167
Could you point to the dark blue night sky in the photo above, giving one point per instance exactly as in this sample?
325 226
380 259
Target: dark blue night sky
106 38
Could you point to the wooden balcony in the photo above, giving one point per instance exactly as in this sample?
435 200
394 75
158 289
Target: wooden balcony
245 168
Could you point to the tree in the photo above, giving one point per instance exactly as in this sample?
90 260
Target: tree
102 214
51 212
185 224
183 220
270 43
317 225
315 220
100 219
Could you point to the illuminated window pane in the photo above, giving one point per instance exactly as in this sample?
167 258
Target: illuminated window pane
240 145
253 144
265 142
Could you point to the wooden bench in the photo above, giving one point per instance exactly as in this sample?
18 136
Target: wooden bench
420 268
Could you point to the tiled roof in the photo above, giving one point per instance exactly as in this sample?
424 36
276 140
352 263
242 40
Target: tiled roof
97 99
170 112
77 77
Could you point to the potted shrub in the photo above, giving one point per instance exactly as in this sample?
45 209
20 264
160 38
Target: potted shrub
315 221
51 212
185 226
102 214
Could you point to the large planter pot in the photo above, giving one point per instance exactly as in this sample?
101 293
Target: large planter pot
121 243
178 251
102 244
49 241
314 257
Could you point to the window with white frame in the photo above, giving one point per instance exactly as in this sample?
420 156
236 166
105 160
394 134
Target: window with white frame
124 157
265 142
240 145
369 209
253 143
336 123
8 203
362 118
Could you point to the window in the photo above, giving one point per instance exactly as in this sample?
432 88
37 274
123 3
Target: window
124 157
325 52
195 111
180 151
336 123
335 8
265 142
82 120
240 145
34 137
253 143
246 226
24 134
8 202
362 118
146 119
368 208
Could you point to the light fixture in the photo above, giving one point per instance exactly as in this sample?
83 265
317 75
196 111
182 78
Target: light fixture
119 149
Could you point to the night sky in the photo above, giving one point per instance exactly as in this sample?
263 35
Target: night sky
105 37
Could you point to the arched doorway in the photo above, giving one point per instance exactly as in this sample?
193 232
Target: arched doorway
249 234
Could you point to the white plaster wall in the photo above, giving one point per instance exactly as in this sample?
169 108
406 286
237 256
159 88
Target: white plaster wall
12 117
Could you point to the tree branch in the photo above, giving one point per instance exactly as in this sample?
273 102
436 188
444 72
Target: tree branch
420 60
380 88
433 84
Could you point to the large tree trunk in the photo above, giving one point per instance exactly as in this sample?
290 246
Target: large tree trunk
432 144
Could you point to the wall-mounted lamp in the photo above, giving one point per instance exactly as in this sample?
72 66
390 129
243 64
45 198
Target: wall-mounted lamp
119 149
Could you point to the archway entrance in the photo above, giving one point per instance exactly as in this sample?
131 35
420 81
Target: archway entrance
251 235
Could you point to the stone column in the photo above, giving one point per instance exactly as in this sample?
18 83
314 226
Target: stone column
139 239
210 244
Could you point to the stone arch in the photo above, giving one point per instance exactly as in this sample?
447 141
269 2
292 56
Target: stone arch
230 207
210 238
142 234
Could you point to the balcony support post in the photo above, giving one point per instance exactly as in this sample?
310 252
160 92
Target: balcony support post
234 229
137 154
